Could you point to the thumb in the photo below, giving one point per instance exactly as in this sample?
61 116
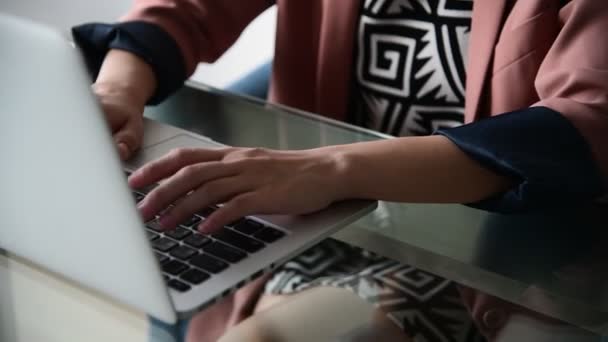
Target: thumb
129 137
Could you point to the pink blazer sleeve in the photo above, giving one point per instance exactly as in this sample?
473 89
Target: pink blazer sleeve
203 29
573 78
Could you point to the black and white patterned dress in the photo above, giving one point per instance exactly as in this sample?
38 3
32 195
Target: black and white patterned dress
410 75
410 64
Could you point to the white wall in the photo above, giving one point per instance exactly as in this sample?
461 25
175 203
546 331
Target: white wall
256 43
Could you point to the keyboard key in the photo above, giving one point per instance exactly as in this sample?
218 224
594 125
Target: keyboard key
146 189
174 267
248 226
195 277
138 197
178 285
257 274
238 240
183 252
197 240
152 236
163 244
208 263
162 259
269 234
154 225
225 252
234 223
178 233
192 221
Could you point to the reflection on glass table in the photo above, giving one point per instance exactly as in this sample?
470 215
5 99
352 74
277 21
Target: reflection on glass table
547 262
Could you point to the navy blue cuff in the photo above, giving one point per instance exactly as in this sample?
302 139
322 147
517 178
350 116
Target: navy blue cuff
148 41
539 148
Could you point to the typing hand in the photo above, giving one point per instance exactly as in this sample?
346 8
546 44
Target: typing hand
248 181
124 115
123 86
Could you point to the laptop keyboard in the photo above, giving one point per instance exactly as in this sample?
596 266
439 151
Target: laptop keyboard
188 258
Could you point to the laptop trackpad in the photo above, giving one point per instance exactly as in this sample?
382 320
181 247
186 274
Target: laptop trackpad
158 150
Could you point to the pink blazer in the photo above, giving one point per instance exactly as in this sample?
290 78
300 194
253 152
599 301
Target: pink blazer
522 53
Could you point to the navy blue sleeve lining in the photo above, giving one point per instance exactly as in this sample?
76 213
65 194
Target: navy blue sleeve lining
539 148
146 40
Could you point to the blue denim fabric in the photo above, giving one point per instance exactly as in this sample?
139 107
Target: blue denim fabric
157 47
541 150
255 83
148 41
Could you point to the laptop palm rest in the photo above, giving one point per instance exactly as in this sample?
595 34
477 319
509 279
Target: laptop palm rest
160 149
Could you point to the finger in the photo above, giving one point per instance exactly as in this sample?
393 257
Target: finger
238 207
129 137
213 192
116 118
123 151
185 180
170 163
115 113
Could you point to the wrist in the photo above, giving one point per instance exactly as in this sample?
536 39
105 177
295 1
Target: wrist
340 173
126 73
126 93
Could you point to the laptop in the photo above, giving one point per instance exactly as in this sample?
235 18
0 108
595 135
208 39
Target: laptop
66 206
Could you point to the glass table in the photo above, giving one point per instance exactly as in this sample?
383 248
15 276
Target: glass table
552 263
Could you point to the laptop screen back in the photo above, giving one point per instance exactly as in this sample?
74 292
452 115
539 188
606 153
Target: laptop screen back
64 202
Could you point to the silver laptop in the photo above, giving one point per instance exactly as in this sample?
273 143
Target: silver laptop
65 203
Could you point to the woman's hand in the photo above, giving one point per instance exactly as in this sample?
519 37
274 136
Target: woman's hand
124 115
258 181
247 181
123 87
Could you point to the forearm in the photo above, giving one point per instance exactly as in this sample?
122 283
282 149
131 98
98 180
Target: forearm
123 71
414 169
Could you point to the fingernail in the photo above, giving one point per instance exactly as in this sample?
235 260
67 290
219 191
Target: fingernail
165 221
123 150
144 212
202 228
146 218
134 180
